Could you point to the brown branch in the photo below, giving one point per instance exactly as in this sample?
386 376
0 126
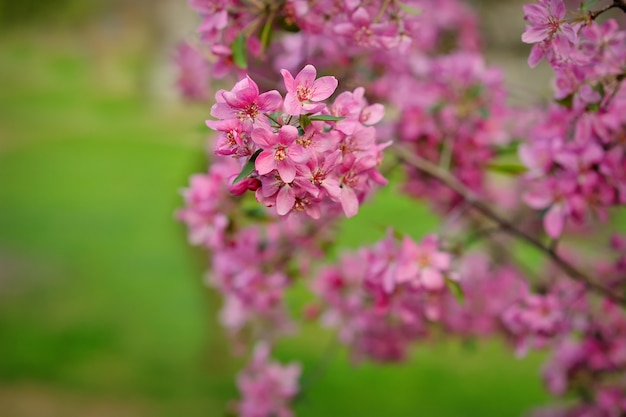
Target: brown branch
617 4
485 209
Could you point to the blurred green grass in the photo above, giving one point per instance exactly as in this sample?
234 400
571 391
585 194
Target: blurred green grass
101 298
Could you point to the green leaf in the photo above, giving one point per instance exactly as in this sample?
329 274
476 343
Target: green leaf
455 288
266 33
409 9
327 118
507 168
287 24
474 91
239 51
248 168
256 213
588 5
566 101
305 121
509 149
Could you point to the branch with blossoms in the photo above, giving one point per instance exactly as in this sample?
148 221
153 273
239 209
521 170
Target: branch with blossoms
292 157
481 206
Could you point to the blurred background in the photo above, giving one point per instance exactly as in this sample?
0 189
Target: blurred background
103 310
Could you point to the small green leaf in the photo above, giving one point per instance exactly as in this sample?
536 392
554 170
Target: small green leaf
566 101
455 288
239 51
287 24
327 118
588 5
507 168
248 168
474 91
509 149
409 9
305 121
256 213
266 33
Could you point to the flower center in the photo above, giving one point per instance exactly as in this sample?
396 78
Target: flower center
304 93
251 112
318 176
301 203
280 153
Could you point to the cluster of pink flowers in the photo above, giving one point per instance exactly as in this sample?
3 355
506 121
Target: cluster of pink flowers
308 157
458 121
267 388
592 360
576 155
253 295
353 25
382 298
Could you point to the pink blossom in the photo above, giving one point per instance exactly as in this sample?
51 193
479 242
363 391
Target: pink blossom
244 102
304 90
267 388
546 19
279 152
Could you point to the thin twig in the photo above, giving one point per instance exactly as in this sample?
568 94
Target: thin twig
485 209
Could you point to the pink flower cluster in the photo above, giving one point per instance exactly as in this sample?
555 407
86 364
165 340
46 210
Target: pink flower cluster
311 158
458 121
576 155
382 298
489 291
193 72
301 153
267 388
353 25
593 360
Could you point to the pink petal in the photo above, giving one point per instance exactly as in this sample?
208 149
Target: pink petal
372 114
557 7
538 199
323 88
307 76
292 105
288 80
298 154
264 138
534 34
265 162
536 54
270 101
349 202
441 260
361 17
287 135
286 169
432 279
331 185
554 221
285 200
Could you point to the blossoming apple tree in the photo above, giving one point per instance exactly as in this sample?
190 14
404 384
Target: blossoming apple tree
322 99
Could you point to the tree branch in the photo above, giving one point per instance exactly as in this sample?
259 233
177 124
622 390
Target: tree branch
619 4
485 209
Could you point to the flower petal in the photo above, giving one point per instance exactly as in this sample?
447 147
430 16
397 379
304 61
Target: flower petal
265 162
